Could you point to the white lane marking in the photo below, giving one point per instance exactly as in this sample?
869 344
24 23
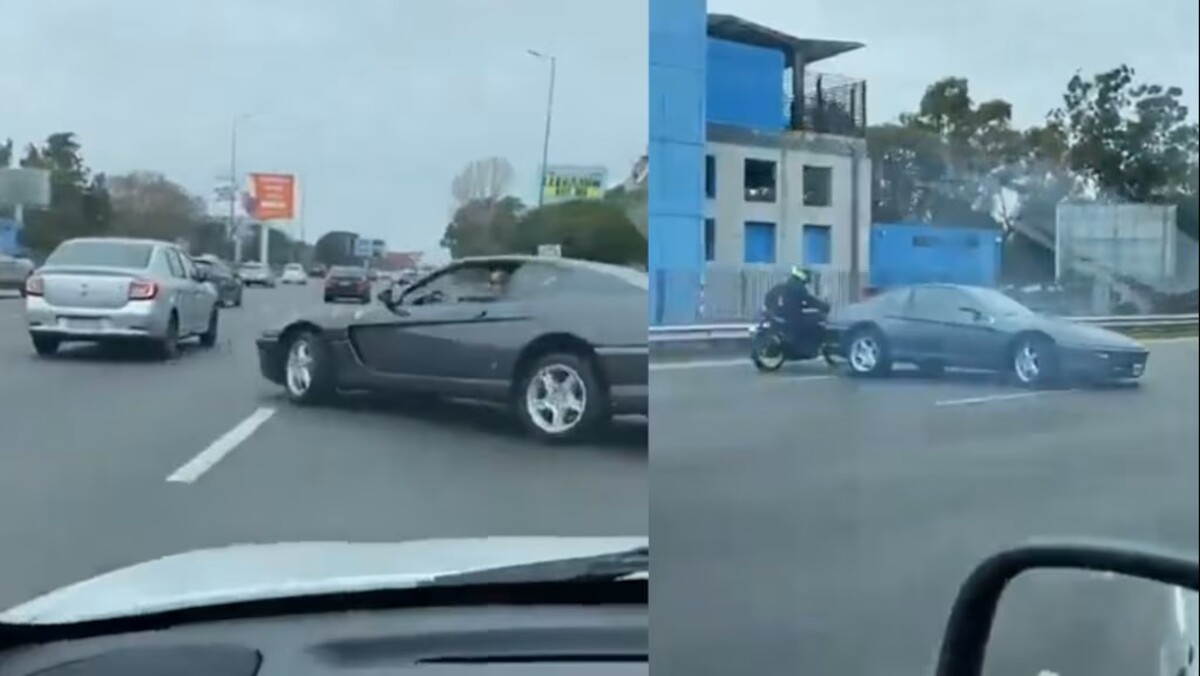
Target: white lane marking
204 461
701 364
969 401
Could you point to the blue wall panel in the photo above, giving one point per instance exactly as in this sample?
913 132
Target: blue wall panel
818 245
678 43
915 254
745 86
758 242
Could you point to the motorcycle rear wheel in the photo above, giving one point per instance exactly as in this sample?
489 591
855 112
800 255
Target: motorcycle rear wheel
767 353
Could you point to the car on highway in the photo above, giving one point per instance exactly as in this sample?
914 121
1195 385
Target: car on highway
14 272
936 326
254 273
561 341
347 282
450 607
293 273
226 281
108 290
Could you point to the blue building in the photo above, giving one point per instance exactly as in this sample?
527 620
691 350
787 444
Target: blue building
913 254
9 244
755 161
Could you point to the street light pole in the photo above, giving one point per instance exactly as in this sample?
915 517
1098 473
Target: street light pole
549 118
234 192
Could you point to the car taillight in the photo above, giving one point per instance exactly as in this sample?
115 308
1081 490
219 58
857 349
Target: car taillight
142 289
34 286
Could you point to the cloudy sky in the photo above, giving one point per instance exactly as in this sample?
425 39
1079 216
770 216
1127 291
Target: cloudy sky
1020 50
376 104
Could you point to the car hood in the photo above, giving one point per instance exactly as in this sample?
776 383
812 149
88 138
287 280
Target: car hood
252 572
1077 334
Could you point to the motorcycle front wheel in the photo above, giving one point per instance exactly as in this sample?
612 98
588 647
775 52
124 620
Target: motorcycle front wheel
767 352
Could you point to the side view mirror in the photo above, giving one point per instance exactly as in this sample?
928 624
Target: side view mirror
200 276
385 296
1075 608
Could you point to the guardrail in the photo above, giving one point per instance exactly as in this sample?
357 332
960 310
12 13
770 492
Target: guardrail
737 331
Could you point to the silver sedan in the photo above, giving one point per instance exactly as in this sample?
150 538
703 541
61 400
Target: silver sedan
103 290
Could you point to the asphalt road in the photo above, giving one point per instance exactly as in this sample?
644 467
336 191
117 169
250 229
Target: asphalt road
808 524
88 440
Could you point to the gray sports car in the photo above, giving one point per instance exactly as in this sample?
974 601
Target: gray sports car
563 341
935 326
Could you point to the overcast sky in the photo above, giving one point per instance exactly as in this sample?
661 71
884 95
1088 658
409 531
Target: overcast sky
376 104
1020 50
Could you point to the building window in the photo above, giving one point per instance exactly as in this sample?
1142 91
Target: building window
710 176
710 240
758 242
818 186
818 245
759 180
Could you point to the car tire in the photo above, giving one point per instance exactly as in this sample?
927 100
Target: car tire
167 347
580 382
209 337
318 385
873 358
45 346
1033 362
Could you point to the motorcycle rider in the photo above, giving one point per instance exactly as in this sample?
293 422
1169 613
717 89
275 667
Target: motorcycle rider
793 301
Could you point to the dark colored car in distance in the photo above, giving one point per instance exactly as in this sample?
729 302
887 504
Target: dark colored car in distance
228 283
563 342
936 326
347 282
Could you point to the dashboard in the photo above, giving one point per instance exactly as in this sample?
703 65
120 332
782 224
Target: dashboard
494 640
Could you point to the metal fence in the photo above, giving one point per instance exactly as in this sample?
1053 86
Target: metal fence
735 293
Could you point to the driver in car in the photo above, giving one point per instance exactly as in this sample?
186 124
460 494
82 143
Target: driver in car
496 283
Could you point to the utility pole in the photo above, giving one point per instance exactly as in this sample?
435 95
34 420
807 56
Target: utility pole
549 118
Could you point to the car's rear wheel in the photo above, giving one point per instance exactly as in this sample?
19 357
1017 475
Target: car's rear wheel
209 337
559 398
167 347
44 345
867 353
308 369
1034 361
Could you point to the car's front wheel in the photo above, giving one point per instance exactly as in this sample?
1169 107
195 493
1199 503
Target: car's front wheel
308 369
1034 361
559 398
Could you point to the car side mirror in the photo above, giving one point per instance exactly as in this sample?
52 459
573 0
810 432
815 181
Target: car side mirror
1147 598
200 275
385 296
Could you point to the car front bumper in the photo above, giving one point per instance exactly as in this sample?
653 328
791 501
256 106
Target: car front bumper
627 370
1103 364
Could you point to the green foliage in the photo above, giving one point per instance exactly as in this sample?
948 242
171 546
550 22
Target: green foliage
139 204
957 162
590 229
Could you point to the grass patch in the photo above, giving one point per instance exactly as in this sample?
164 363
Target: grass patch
1160 332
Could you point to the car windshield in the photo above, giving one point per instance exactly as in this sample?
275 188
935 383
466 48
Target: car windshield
112 254
347 272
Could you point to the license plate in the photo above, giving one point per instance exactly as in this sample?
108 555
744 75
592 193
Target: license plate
82 323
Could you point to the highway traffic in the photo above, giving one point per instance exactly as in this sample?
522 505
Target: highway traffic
111 457
829 520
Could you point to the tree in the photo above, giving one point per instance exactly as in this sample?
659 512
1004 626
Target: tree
147 204
487 179
335 248
78 202
589 229
482 227
632 201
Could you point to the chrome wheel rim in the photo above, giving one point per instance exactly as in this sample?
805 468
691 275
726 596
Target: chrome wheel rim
864 354
556 398
1027 363
300 367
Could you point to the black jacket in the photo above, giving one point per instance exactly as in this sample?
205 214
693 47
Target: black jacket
791 298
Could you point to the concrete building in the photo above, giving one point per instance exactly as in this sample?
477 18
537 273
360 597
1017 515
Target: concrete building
787 177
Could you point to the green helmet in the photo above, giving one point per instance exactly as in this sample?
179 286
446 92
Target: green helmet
799 274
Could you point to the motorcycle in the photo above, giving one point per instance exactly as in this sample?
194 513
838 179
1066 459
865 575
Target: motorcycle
772 345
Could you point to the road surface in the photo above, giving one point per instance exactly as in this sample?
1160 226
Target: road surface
808 524
89 439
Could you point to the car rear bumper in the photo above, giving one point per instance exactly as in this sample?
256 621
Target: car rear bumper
627 371
1101 364
137 319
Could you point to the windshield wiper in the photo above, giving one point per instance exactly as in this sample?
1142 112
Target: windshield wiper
602 568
